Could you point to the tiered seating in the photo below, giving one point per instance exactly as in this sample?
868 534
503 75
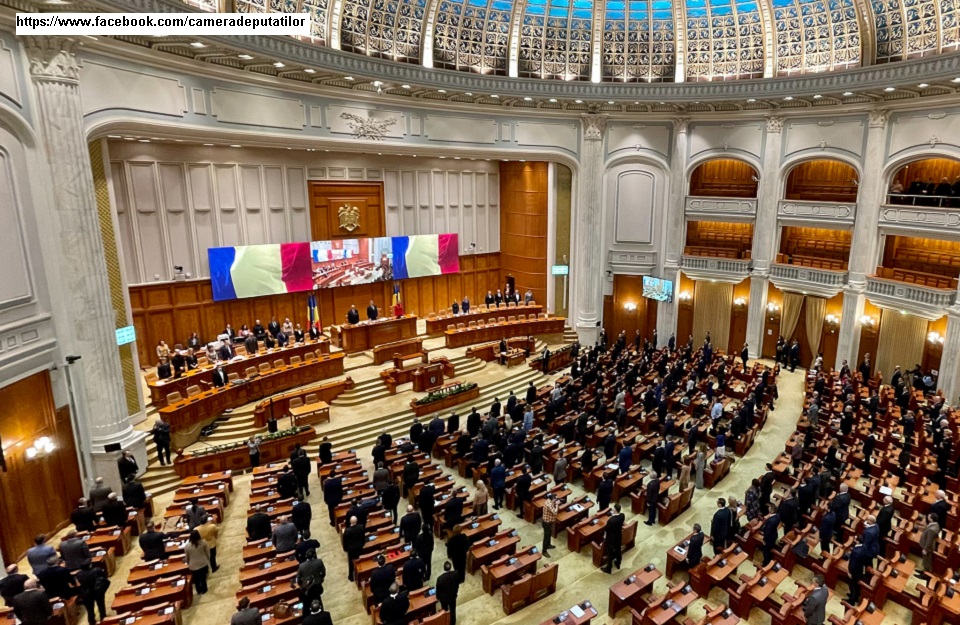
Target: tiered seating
718 243
920 278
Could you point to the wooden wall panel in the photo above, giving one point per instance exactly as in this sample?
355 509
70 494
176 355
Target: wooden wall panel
738 317
929 170
684 312
172 319
326 198
629 290
36 496
822 180
724 177
523 227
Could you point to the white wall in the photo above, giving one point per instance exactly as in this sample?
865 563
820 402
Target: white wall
175 200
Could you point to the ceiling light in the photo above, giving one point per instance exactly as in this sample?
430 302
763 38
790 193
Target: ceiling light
663 103
578 101
889 89
495 97
404 86
788 98
752 100
955 80
144 140
609 101
278 64
350 78
208 145
443 157
114 137
441 90
528 99
817 97
245 57
456 158
553 100
197 44
310 70
923 85
468 94
235 145
848 93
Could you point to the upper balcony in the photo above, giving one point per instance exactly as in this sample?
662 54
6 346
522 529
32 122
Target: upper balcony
709 268
720 208
820 281
816 212
894 292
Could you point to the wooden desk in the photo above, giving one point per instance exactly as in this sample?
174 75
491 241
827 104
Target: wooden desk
185 494
503 544
137 598
469 336
268 594
63 614
588 530
438 325
509 569
188 416
589 613
279 405
209 478
107 538
254 573
148 573
365 565
630 592
423 603
238 458
384 353
159 389
166 614
671 605
317 412
368 334
488 352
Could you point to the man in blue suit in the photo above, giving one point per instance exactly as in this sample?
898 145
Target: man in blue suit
771 532
626 458
871 538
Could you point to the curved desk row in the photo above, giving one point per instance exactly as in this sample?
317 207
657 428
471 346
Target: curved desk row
469 336
368 334
189 415
437 325
279 405
238 458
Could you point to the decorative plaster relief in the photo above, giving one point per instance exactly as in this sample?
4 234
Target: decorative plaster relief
916 130
637 137
920 218
845 135
562 136
720 206
104 87
817 211
252 109
9 86
742 137
460 129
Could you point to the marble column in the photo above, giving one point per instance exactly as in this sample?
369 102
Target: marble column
949 379
866 237
675 228
588 257
764 235
86 327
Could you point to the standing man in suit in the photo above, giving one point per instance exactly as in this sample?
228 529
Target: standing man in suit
695 548
771 533
353 315
154 543
940 507
871 538
720 526
448 587
613 539
74 551
372 312
928 544
353 542
465 307
219 377
605 491
99 494
815 605
653 498
161 438
498 481
885 517
333 495
410 525
32 606
745 354
127 465
841 507
393 610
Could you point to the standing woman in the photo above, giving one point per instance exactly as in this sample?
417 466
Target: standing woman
480 499
197 554
253 445
700 464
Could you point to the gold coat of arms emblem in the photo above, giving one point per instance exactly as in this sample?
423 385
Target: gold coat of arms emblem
349 217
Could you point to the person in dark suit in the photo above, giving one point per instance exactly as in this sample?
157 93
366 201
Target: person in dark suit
885 517
453 512
219 377
74 551
84 517
427 502
258 525
382 578
720 526
32 606
333 494
114 512
457 547
815 605
827 526
301 470
695 548
788 510
133 492
465 305
410 525
605 491
448 587
423 543
653 498
12 584
93 584
390 498
531 393
841 507
353 315
522 489
857 567
745 354
372 312
315 616
393 610
273 327
414 572
613 540
498 482
127 465
154 543
940 507
353 542
870 537
771 534
57 580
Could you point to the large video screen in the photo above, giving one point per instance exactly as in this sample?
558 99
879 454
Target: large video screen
256 270
658 289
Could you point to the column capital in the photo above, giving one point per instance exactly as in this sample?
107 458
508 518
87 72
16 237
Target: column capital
774 123
878 118
52 59
681 124
594 126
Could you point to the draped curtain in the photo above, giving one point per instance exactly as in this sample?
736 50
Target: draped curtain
790 314
712 307
814 321
901 342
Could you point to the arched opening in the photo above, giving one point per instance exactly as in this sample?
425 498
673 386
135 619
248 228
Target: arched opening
926 182
724 177
822 180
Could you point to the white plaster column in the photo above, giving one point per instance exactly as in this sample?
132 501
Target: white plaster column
866 237
675 228
764 234
588 255
77 257
949 379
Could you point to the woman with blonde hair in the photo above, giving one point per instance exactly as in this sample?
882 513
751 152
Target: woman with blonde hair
700 464
480 499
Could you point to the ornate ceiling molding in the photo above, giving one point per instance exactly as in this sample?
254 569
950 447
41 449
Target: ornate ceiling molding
910 72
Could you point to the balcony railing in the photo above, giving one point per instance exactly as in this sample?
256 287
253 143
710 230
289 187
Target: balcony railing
708 267
813 275
906 295
816 211
717 207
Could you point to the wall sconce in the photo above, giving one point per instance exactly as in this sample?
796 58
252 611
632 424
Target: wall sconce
630 306
934 337
740 302
867 321
684 296
41 447
773 307
832 320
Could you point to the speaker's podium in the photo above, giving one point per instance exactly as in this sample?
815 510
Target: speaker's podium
428 377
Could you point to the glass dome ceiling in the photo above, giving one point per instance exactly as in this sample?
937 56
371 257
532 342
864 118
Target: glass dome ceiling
631 40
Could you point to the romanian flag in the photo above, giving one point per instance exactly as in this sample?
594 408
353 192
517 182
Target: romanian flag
396 294
313 313
254 270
